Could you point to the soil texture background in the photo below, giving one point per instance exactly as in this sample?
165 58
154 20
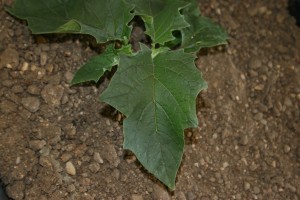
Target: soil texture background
60 142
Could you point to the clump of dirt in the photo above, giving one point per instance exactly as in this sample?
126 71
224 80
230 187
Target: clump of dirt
60 142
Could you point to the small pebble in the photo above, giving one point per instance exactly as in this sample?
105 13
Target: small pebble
258 116
37 144
130 159
271 135
191 196
286 148
65 157
71 188
137 197
298 96
94 167
43 58
256 190
225 164
255 63
98 158
15 190
288 102
246 186
212 179
25 66
238 196
244 140
8 106
70 168
290 187
9 58
70 130
68 76
17 89
31 103
45 162
181 196
32 89
159 192
109 153
259 87
52 94
7 83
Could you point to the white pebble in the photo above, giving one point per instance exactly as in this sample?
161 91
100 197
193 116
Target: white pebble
70 168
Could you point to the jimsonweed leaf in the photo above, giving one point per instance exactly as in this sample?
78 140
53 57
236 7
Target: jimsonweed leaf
160 17
104 19
202 31
157 94
97 65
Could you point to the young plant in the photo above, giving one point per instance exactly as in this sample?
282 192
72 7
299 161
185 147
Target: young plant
156 87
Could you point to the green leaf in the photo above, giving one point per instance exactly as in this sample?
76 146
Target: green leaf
161 17
97 65
157 94
202 31
104 19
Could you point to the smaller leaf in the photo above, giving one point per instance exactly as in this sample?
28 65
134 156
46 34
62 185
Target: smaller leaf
96 66
202 31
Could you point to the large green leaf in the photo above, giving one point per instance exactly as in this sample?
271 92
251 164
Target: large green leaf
202 31
161 17
97 65
104 19
157 92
